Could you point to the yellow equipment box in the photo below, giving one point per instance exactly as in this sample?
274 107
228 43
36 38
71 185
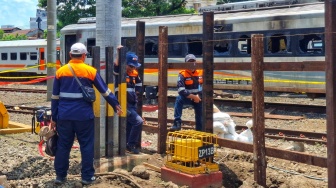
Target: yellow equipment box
191 151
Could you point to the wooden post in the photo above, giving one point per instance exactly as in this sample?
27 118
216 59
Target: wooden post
140 51
163 86
109 109
259 153
208 67
122 96
96 104
330 58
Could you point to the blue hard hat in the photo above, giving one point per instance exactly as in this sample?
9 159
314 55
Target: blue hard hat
132 59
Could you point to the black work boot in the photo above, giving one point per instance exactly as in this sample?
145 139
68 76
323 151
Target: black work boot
176 126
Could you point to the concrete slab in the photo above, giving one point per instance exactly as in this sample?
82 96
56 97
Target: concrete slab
213 179
14 127
127 162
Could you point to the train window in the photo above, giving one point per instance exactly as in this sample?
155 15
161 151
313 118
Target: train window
175 45
261 5
221 45
33 55
90 43
244 44
13 56
130 43
151 46
23 55
311 43
195 46
277 43
4 56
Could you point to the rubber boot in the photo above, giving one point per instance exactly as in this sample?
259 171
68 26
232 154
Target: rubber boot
176 126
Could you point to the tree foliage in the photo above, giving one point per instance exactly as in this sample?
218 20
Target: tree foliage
1 33
69 11
6 37
143 8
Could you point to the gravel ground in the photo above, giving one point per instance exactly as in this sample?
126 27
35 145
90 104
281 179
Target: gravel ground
23 166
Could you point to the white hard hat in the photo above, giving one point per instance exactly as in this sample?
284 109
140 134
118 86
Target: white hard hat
78 48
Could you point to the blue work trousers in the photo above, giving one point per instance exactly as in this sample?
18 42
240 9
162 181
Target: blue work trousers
134 126
84 130
180 101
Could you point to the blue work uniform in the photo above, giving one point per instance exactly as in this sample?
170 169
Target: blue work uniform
74 116
134 121
189 83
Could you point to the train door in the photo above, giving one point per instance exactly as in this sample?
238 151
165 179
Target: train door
42 59
69 40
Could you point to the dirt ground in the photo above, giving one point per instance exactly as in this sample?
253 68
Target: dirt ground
23 166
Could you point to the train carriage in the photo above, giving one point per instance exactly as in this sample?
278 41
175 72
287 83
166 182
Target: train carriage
293 33
24 58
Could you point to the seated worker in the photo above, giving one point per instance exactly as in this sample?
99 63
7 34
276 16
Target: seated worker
134 86
189 84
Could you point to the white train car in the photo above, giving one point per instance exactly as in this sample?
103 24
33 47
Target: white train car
22 58
257 4
293 33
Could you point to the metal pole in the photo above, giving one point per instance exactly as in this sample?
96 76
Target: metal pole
51 45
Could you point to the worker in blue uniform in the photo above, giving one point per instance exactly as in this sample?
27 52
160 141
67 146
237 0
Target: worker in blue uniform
74 116
134 86
189 85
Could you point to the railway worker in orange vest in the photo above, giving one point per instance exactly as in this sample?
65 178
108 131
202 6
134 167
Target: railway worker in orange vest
189 84
134 86
74 115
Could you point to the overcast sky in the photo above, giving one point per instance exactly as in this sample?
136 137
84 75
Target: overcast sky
17 12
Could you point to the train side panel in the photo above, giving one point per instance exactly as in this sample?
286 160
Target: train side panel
294 34
22 58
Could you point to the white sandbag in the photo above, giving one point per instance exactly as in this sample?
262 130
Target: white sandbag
249 123
222 117
219 128
246 136
231 136
231 127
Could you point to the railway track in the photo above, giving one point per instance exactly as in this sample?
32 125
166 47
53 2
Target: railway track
24 90
320 109
22 109
151 126
269 106
300 136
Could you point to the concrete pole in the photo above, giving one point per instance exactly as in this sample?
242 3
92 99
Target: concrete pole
108 33
51 44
